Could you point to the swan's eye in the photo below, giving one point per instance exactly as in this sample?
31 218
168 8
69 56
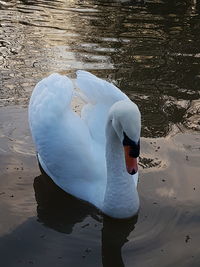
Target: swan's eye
134 150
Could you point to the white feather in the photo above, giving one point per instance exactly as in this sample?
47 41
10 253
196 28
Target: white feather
72 149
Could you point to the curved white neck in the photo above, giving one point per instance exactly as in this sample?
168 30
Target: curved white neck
121 197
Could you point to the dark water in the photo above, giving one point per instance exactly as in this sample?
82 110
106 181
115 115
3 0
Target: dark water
152 52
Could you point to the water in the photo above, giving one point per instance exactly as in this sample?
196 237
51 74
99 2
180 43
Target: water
152 52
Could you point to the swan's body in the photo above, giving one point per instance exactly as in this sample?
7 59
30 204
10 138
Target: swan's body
84 155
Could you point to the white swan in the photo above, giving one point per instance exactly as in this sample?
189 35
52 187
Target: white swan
85 155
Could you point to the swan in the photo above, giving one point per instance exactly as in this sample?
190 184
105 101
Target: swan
92 156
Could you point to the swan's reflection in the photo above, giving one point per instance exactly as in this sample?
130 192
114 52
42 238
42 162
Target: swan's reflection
61 211
114 236
57 209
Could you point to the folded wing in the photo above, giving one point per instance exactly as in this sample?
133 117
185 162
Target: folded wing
61 137
101 95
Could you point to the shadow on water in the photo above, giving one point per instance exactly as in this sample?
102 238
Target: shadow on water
60 211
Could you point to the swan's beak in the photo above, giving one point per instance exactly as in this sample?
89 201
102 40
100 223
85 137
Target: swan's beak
131 163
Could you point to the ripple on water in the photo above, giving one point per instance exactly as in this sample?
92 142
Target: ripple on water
152 53
136 45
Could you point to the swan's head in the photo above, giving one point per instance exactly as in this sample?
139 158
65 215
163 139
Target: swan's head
126 121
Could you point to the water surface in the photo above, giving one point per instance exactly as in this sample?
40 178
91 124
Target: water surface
152 52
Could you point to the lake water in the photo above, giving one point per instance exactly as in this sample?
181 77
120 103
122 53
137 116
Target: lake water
151 51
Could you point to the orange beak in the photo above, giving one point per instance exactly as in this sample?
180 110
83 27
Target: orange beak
131 163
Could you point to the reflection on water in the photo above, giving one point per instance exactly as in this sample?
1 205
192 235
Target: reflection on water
114 236
61 211
57 209
150 51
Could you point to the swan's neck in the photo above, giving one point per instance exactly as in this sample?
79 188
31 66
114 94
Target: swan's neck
121 197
